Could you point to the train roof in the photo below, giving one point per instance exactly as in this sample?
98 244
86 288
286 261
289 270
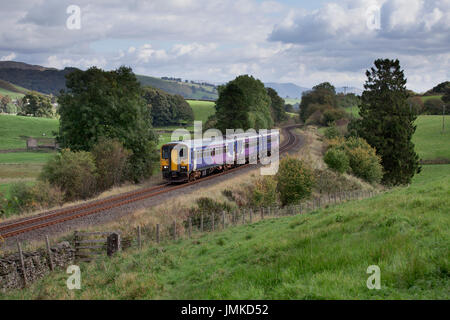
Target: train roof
197 143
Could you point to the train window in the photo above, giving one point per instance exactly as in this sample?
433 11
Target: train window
182 153
269 139
246 144
165 152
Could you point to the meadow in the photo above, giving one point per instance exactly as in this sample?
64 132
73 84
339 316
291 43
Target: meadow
320 255
431 143
425 98
14 129
202 109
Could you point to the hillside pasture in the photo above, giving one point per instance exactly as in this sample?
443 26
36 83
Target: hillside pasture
15 129
425 98
431 143
202 109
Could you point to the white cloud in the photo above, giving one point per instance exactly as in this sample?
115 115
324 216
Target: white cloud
8 57
217 40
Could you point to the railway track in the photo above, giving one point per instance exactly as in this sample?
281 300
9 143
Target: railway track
24 225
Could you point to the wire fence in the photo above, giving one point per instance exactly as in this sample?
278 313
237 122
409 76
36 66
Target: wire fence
155 234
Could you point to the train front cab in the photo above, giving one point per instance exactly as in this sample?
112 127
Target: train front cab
175 162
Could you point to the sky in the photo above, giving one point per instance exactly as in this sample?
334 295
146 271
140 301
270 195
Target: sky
303 42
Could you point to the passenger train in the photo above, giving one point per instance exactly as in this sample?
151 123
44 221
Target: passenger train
183 161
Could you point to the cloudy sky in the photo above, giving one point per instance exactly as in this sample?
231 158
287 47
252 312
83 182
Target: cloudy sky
304 42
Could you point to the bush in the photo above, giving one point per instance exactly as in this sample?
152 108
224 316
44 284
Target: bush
363 160
264 192
337 160
366 164
46 196
331 115
434 106
21 197
332 132
207 206
73 172
327 181
294 180
111 160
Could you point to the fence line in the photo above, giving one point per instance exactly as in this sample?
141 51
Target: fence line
216 221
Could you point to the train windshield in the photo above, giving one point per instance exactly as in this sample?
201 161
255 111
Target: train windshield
166 152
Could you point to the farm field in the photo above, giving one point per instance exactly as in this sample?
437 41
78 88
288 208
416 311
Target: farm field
13 128
292 101
430 142
425 98
320 255
202 109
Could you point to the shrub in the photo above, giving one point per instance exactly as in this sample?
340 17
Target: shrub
21 197
294 180
207 206
73 172
264 192
434 106
363 160
337 160
366 164
327 181
46 196
332 132
111 161
333 114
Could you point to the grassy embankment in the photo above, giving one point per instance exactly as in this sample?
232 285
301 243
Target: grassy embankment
23 166
321 255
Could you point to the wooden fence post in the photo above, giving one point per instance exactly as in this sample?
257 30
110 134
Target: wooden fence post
201 223
22 263
174 229
189 227
212 221
113 243
49 253
139 237
243 216
157 233
223 219
251 215
262 213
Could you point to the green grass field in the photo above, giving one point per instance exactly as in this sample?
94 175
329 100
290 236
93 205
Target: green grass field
425 98
430 142
202 109
320 255
25 157
292 101
12 128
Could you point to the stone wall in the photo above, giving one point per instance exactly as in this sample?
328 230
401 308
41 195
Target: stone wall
36 265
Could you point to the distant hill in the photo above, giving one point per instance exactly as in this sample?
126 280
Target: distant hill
37 78
439 89
11 90
22 66
185 89
287 90
51 80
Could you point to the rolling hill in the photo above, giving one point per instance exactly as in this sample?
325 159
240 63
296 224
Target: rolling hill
287 90
186 90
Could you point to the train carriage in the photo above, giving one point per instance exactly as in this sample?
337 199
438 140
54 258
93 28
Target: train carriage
189 160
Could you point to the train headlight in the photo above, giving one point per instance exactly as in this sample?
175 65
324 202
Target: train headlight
166 167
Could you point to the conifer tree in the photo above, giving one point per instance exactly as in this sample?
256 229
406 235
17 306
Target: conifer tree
387 121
